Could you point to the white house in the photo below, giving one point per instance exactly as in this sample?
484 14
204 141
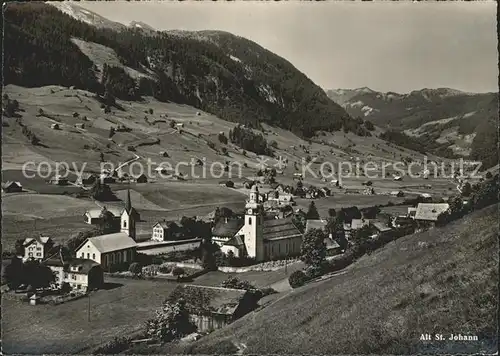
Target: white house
114 248
162 231
37 247
93 216
80 274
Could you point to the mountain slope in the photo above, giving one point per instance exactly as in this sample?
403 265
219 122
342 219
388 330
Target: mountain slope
445 120
225 75
84 15
440 281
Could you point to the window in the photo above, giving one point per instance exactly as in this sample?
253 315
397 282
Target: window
93 256
83 255
73 276
30 254
39 249
249 221
65 275
88 256
124 223
38 254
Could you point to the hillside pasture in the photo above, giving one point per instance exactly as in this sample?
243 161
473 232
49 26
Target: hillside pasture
39 184
59 229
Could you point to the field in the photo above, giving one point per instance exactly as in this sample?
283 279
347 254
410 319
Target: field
440 281
35 183
118 310
65 329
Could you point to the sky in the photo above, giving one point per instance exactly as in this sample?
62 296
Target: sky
386 46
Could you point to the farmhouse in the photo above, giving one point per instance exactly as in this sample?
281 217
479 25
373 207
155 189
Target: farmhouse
54 126
37 248
332 246
81 274
80 126
164 231
93 217
214 307
380 228
430 212
12 187
114 249
259 237
355 224
426 197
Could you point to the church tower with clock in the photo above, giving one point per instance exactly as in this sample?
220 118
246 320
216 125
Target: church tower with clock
253 227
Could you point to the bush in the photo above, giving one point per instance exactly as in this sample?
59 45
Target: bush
297 279
165 269
177 271
135 268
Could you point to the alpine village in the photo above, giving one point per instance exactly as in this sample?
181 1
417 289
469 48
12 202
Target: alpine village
227 245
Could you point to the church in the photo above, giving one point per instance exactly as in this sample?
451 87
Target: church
116 249
257 236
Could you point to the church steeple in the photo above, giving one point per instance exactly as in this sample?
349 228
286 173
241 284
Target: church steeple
129 218
128 203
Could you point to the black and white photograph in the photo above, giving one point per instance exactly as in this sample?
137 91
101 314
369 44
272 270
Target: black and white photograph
250 178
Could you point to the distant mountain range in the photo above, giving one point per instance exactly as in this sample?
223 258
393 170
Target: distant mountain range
218 72
445 120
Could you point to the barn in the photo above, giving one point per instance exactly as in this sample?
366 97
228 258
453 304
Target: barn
12 187
212 308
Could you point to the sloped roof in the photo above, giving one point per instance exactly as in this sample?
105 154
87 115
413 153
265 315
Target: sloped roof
112 242
331 243
95 213
84 265
227 229
430 211
315 224
235 241
41 239
164 224
204 299
380 226
275 229
9 183
359 223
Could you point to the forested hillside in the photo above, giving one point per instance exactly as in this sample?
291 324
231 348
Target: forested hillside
220 73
